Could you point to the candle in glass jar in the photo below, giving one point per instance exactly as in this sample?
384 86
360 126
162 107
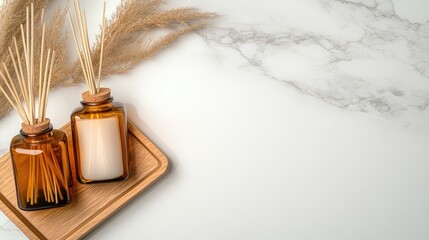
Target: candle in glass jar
99 130
100 148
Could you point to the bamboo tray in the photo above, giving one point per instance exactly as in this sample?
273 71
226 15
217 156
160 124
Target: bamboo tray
91 204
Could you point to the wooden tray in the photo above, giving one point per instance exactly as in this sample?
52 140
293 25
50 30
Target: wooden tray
91 204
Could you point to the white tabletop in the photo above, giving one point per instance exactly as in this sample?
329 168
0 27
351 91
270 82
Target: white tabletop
283 120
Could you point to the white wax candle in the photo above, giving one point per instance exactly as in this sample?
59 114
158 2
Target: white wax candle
100 148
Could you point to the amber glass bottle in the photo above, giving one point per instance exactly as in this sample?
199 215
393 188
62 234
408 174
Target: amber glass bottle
41 167
99 130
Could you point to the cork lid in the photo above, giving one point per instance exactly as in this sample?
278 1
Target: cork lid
36 128
103 95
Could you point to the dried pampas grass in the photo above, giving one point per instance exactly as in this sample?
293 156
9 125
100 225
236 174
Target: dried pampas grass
56 38
127 42
127 37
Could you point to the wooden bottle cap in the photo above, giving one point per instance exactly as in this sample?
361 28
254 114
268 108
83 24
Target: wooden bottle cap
103 95
36 128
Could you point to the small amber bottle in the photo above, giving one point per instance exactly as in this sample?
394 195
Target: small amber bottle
99 130
41 167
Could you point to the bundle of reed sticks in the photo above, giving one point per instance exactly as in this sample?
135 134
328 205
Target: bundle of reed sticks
25 74
43 167
83 47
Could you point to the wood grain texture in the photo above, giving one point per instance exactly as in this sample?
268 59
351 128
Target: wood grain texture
91 204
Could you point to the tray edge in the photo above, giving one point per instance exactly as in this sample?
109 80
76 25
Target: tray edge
106 213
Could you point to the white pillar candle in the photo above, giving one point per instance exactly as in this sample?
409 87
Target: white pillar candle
100 148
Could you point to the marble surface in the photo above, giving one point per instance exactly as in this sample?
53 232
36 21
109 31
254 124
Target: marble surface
283 120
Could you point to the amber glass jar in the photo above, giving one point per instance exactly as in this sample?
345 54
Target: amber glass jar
41 167
99 130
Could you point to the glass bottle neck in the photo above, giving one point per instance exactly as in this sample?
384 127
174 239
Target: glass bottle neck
98 106
38 137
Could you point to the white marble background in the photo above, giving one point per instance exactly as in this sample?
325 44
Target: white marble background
284 120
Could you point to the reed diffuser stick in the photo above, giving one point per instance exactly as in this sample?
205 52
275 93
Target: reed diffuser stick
103 30
41 86
32 62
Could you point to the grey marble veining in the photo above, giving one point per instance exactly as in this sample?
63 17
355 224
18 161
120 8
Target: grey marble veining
9 229
378 63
